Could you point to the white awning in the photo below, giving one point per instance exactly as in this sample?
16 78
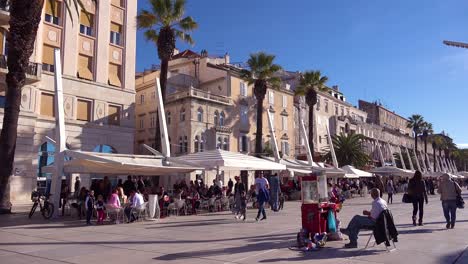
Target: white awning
439 173
351 176
393 171
303 167
121 164
350 170
229 161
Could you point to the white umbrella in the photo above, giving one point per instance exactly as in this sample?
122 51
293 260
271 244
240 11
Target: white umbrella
350 170
393 171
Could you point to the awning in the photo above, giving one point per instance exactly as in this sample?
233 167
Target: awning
350 170
229 161
303 167
439 173
393 171
121 164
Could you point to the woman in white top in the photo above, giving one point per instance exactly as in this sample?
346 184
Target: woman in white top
261 189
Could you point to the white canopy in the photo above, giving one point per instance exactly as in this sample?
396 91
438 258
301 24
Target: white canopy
439 173
229 161
121 164
352 172
393 171
303 167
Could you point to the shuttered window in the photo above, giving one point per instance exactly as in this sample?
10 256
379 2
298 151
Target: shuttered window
83 110
48 55
47 105
85 67
2 41
115 34
86 23
52 12
115 75
114 115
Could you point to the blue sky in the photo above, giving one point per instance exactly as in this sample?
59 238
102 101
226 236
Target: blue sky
389 51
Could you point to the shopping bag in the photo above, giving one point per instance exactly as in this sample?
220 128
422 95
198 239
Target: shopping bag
331 222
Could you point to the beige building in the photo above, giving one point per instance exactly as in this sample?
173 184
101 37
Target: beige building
208 106
379 115
98 55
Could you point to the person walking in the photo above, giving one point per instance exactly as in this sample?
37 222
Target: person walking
390 191
89 205
379 184
263 196
449 190
418 192
239 188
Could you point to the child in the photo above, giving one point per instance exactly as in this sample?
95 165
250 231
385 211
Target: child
101 210
89 205
243 206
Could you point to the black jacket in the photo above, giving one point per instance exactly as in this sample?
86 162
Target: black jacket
385 229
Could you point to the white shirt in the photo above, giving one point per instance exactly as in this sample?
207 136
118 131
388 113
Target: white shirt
260 184
137 200
378 206
220 184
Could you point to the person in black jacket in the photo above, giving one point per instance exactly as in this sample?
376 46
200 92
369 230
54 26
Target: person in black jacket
418 192
239 188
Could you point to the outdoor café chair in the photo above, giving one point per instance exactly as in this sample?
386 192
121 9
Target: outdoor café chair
140 211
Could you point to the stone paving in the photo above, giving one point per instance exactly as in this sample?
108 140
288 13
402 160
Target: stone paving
219 238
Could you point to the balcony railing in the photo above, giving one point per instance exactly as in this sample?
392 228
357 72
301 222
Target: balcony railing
195 93
33 68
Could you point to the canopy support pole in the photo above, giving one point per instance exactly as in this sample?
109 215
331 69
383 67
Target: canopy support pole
165 149
332 149
417 160
410 159
273 137
401 158
391 154
306 141
379 148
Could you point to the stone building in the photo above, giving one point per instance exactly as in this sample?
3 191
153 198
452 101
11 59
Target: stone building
208 106
98 55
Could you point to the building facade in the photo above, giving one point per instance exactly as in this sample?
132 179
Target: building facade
379 115
98 54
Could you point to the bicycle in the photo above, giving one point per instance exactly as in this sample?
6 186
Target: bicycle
46 207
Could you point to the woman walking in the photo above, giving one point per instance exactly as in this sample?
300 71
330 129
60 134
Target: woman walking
390 191
449 190
417 191
261 189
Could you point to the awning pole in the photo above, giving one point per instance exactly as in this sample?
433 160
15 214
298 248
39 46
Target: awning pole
401 158
306 141
165 150
332 149
410 159
273 137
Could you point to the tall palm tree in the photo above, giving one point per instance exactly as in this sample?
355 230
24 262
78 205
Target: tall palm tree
426 131
25 16
416 122
163 24
262 74
349 150
311 82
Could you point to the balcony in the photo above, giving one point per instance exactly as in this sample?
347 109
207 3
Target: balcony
191 92
33 72
4 12
223 129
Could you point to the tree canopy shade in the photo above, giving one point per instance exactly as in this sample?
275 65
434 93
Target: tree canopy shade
262 74
349 150
163 23
311 82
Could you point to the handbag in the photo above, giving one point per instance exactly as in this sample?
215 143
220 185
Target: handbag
460 202
407 198
331 222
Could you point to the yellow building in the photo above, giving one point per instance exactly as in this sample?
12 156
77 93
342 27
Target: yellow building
208 106
98 55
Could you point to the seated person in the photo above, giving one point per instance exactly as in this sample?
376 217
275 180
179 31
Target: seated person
365 222
114 201
136 202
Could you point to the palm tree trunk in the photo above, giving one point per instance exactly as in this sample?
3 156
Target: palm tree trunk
259 133
25 16
163 82
415 142
435 160
311 129
425 152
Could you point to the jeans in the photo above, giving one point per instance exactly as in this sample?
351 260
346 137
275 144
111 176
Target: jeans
89 214
418 203
450 211
357 223
390 198
261 209
127 212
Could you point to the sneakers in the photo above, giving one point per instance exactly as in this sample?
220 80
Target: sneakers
351 245
263 218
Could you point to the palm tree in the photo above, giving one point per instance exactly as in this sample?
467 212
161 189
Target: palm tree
349 150
163 24
416 122
311 82
261 74
427 130
25 16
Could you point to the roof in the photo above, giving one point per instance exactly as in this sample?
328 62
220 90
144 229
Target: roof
187 54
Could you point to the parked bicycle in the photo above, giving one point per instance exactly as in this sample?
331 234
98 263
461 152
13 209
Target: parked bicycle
46 207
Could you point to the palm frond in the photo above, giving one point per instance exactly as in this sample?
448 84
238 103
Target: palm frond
184 37
146 19
188 24
151 35
178 9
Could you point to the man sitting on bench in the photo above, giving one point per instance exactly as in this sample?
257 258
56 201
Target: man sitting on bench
365 222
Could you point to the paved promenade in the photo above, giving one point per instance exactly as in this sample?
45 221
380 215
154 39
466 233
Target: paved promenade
219 238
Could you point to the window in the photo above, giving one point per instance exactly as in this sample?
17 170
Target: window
83 112
243 115
219 143
185 144
153 95
221 119
85 67
285 101
142 122
168 118
86 23
271 97
347 111
200 114
318 104
216 117
202 143
342 111
243 89
320 139
196 144
142 99
52 12
115 75
47 105
48 58
117 3
285 148
115 34
285 122
182 115
244 144
336 109
114 115
181 145
226 144
326 106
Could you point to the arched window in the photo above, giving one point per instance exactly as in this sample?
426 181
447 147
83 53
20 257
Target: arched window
196 144
104 149
221 119
185 144
226 144
200 114
219 143
182 115
181 145
216 116
168 118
